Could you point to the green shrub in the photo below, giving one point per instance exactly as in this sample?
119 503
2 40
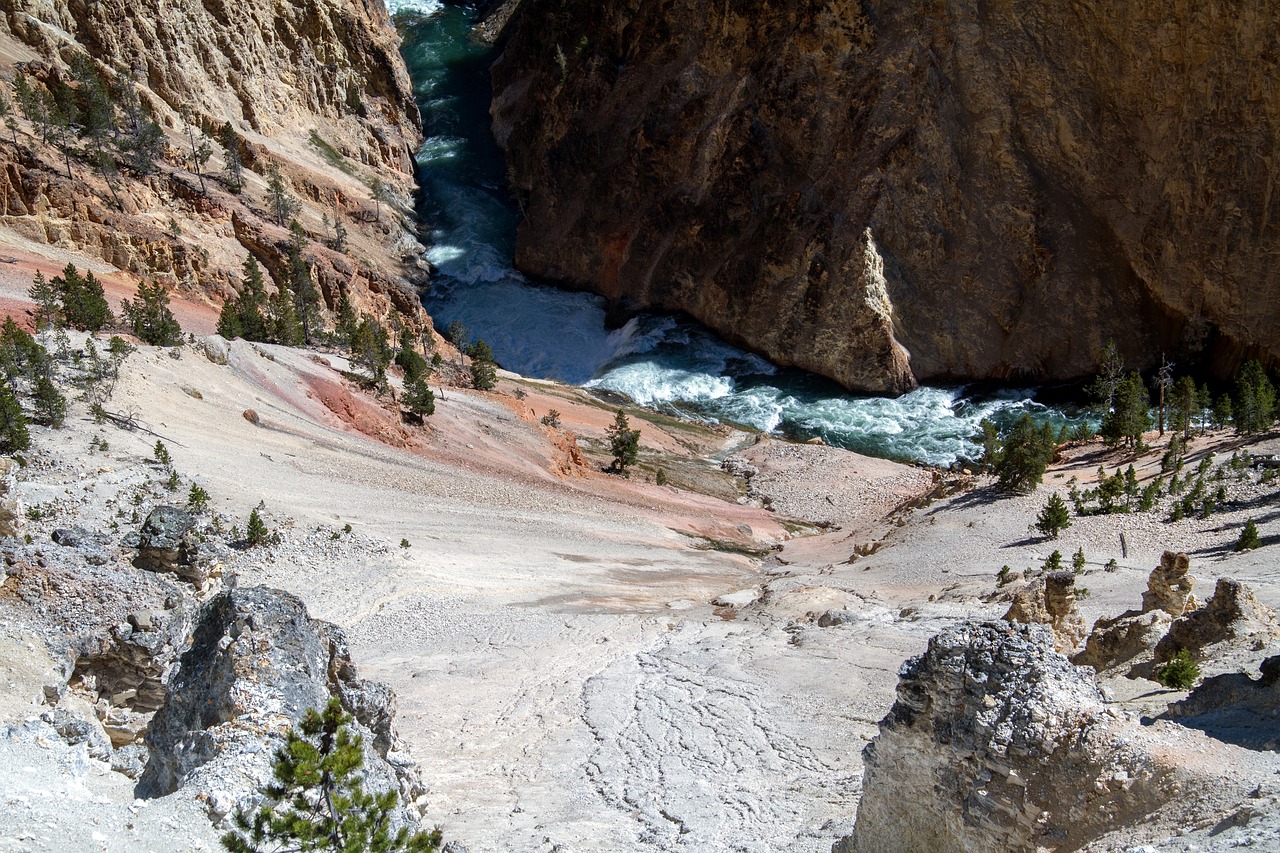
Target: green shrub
1180 673
1054 518
256 532
150 318
1249 538
14 435
318 801
197 499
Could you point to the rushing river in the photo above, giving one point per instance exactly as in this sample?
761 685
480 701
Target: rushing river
665 362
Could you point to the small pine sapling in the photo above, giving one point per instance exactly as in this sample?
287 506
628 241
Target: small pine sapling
1179 673
1054 518
1249 538
197 499
624 443
1077 562
161 454
256 532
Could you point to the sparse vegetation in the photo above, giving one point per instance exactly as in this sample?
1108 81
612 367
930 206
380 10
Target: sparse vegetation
1054 518
256 532
1249 538
150 318
551 419
197 499
318 801
1180 673
624 443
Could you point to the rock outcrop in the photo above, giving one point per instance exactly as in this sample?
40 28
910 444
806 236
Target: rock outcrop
996 742
167 543
895 191
1232 628
316 91
257 662
1051 600
1129 638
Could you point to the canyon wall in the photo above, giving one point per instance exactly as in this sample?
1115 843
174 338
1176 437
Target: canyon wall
892 191
316 90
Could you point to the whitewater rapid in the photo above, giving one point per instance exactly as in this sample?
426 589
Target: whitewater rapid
668 363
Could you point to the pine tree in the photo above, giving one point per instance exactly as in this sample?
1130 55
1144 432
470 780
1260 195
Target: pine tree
84 304
143 140
1054 518
233 168
150 318
369 350
345 321
1249 538
201 151
484 373
6 112
1023 455
1130 413
50 405
1078 561
14 436
318 799
29 101
1110 373
45 295
1184 404
304 289
242 317
418 398
1255 399
624 443
284 206
256 532
409 360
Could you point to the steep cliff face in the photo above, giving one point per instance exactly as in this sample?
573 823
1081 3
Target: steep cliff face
886 191
315 89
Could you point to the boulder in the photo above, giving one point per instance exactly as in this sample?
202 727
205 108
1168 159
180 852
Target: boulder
216 349
166 543
1051 600
997 742
256 663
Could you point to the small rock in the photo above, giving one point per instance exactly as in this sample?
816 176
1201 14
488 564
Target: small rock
68 538
252 417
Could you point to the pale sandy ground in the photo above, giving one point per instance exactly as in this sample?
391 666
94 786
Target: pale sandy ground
564 678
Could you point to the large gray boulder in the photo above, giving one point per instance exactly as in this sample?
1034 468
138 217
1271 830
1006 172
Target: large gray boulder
166 543
257 662
997 742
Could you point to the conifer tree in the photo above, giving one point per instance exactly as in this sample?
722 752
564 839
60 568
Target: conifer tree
484 373
1130 413
143 140
318 801
1054 518
14 436
233 163
284 206
624 443
50 406
345 321
256 532
1249 538
84 304
1255 399
304 289
1184 403
242 316
48 310
1023 455
409 360
200 151
1110 373
150 318
418 398
369 350
6 112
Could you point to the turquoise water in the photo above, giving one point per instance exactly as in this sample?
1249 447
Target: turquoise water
668 363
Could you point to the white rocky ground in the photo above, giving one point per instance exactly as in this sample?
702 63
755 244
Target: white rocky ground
566 679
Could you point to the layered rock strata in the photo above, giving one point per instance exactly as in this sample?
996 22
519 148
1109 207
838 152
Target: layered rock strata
316 91
895 191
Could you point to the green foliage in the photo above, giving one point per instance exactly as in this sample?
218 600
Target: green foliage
243 316
1019 459
1106 384
1077 561
660 478
256 532
484 373
173 482
624 443
458 334
318 801
345 320
14 435
1249 538
48 303
284 206
1054 518
161 454
150 318
404 543
1130 413
418 398
197 499
84 304
1255 399
49 404
1004 576
1053 562
551 419
20 354
409 360
305 294
233 170
369 350
1222 412
1184 405
1180 673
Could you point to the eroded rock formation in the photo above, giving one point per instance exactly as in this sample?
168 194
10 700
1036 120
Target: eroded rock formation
1130 637
996 742
893 190
1051 600
257 662
1231 627
316 90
